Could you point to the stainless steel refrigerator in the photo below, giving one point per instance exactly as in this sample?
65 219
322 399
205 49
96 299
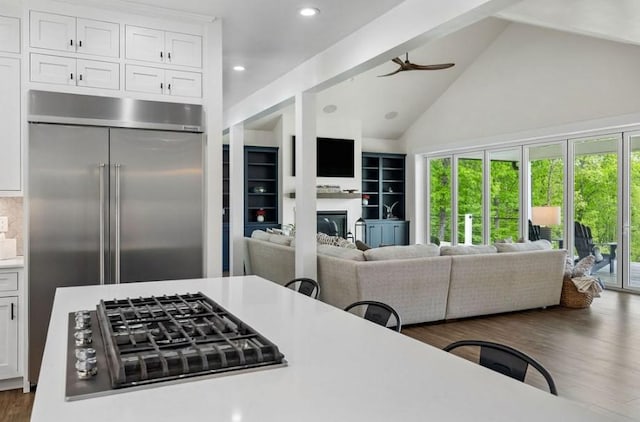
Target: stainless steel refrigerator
109 204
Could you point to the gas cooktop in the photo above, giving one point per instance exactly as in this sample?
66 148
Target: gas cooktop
136 342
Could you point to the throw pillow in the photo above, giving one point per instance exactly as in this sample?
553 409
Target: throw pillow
261 235
280 239
362 246
505 240
583 267
467 250
538 245
568 267
325 239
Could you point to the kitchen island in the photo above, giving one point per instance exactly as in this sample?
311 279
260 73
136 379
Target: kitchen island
340 368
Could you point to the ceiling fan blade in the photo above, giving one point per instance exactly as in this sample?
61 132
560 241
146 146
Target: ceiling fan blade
392 73
430 66
398 60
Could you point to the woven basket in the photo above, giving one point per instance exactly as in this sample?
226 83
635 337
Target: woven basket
572 298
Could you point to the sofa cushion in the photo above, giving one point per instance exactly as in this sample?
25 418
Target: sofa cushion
467 249
538 245
343 253
280 239
402 252
261 235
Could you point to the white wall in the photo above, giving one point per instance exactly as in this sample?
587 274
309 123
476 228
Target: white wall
383 145
530 79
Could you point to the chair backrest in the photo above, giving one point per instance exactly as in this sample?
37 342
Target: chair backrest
506 360
583 240
377 312
534 231
306 286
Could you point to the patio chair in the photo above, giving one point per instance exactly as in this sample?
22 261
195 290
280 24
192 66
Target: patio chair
534 232
585 246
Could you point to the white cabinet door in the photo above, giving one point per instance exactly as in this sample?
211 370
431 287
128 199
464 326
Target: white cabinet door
53 69
10 160
144 79
144 44
183 49
9 337
183 84
98 38
97 74
9 34
53 32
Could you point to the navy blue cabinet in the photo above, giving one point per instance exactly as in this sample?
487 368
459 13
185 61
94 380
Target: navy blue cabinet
261 188
386 232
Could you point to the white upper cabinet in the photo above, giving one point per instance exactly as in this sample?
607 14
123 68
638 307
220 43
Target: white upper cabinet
98 38
10 167
53 69
67 33
9 34
152 45
144 44
97 74
183 49
183 84
53 32
144 79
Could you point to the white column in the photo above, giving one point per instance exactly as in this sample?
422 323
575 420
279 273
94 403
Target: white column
212 101
305 208
236 199
419 201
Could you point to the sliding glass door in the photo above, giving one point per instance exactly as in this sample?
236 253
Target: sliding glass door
470 182
631 217
596 187
504 202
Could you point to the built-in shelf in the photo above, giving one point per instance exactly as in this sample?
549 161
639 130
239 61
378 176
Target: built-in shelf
333 195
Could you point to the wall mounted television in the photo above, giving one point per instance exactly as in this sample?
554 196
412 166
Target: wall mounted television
334 157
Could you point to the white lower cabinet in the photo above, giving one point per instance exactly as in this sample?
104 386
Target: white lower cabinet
9 337
160 81
74 72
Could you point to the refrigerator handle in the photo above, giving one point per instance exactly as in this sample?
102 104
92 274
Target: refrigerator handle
101 170
117 257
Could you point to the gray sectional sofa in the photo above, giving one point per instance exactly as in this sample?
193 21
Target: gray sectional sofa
420 286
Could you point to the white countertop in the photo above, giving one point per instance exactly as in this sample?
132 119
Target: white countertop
340 368
17 262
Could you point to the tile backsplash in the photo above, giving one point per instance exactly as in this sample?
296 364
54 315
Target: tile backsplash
12 208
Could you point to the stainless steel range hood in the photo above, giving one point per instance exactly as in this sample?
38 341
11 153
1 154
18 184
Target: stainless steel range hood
55 107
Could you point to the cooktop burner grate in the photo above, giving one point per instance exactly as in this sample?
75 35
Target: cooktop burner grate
169 337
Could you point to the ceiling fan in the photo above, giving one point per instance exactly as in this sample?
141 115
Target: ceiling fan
407 65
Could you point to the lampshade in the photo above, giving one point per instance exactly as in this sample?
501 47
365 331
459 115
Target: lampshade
545 216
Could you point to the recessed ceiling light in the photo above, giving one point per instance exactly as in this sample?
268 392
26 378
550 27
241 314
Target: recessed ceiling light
391 115
309 11
330 108
238 68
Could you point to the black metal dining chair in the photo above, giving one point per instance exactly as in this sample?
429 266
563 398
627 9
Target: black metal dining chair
306 286
377 312
505 360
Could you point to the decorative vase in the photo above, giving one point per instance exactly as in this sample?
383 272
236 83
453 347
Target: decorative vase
260 218
365 202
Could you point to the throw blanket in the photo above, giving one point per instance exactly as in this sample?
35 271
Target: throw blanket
587 284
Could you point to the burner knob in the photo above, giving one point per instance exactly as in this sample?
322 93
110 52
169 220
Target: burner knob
85 353
83 320
86 368
83 337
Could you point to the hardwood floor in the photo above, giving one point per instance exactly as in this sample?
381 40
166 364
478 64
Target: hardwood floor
593 354
15 406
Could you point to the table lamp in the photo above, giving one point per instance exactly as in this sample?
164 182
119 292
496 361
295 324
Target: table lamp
544 217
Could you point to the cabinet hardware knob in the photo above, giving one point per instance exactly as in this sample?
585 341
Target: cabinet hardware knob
71 43
72 76
80 77
169 55
161 54
169 87
161 85
13 315
80 43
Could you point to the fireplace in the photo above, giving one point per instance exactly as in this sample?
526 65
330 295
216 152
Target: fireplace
333 223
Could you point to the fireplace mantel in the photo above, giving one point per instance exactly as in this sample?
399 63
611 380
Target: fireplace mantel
333 195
